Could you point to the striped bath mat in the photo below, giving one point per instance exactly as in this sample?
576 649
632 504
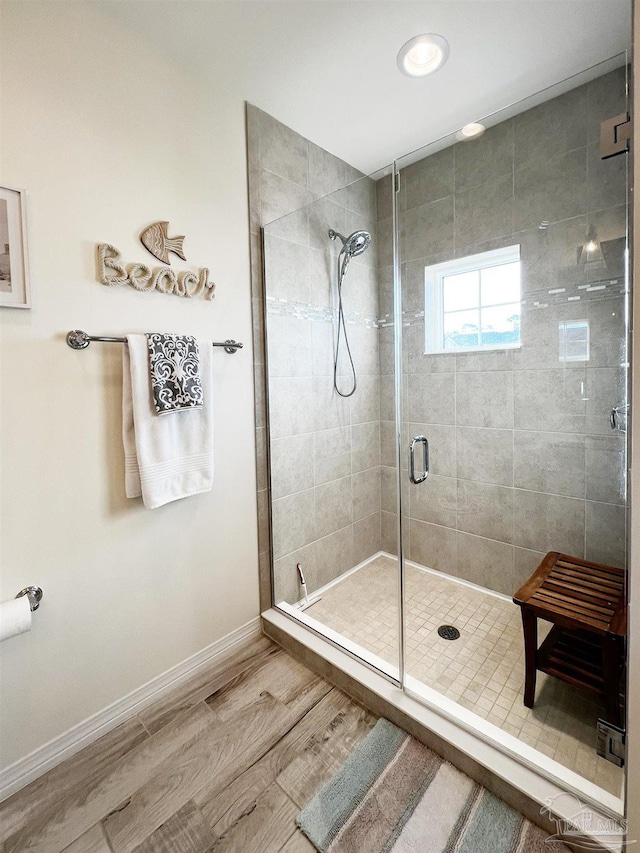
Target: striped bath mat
395 794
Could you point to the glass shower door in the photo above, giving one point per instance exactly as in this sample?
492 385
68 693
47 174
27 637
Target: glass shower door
329 373
512 277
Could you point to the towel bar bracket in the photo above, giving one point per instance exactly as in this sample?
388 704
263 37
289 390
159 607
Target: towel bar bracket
78 339
34 594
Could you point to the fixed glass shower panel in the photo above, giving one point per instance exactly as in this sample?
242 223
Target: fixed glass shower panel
512 267
323 365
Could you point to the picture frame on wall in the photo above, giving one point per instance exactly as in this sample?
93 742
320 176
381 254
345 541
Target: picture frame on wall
15 291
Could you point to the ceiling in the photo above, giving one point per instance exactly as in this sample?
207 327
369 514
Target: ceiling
327 68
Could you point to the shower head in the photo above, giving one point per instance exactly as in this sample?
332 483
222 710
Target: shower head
354 244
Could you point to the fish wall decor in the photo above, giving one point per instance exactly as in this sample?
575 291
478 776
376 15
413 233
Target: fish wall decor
156 240
141 277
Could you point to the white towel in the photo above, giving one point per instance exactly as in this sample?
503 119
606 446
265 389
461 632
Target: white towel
166 458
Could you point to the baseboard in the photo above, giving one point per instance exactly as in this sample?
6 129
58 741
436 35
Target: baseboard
37 763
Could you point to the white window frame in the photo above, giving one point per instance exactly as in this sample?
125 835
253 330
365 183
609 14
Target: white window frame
562 340
434 300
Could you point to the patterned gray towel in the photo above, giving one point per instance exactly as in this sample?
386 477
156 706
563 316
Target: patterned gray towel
174 367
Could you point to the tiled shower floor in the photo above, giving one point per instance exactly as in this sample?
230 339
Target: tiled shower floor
483 670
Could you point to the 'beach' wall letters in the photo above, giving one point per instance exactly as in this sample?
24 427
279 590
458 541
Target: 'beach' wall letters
141 277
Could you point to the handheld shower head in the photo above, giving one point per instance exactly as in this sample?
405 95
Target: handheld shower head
354 244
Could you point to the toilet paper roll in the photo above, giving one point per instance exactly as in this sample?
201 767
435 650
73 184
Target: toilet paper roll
15 617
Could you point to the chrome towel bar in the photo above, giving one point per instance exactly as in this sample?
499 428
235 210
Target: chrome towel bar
81 340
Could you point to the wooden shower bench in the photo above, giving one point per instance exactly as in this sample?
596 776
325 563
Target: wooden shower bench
586 647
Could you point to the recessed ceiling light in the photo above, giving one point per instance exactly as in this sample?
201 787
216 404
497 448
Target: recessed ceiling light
423 55
470 131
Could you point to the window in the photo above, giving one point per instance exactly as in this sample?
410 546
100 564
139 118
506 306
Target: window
573 341
473 303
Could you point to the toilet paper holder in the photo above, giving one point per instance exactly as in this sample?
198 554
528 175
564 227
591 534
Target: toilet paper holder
34 594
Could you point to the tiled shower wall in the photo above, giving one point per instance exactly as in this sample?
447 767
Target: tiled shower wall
325 450
523 459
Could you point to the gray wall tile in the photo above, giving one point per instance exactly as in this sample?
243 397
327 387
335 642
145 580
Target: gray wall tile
389 532
525 564
283 151
554 127
549 462
327 173
294 522
288 346
332 454
291 406
280 197
333 506
428 179
334 556
486 210
549 400
426 230
486 562
442 447
485 455
434 500
433 546
366 538
366 493
550 190
365 446
484 400
485 159
432 398
485 510
291 461
605 468
606 534
548 523
286 582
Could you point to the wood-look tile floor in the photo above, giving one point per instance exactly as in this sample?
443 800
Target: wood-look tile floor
223 764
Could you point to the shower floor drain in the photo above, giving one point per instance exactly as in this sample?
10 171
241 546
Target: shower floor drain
448 632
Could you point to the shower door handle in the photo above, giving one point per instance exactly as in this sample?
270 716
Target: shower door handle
412 459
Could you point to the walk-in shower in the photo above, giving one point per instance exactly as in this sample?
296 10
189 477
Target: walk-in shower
475 320
352 246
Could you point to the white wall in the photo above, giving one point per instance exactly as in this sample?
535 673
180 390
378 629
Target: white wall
108 133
